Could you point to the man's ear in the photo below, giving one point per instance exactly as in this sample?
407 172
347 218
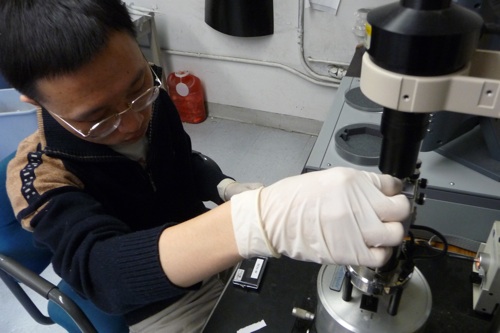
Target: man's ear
26 99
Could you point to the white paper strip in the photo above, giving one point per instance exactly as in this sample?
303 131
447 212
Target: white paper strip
253 328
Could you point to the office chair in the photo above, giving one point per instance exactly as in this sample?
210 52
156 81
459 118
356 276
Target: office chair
21 263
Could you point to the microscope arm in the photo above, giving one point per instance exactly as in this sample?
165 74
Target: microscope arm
473 90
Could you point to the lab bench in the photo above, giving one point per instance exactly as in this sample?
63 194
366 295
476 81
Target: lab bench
288 283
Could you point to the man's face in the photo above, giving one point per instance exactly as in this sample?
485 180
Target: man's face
102 88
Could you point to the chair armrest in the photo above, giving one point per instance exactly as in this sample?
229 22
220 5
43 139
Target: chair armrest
16 273
208 161
24 275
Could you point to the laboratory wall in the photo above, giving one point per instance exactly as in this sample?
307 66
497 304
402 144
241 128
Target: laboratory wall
278 80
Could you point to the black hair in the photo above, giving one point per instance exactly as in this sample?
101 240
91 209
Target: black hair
47 38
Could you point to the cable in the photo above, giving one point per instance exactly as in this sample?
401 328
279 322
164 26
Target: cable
427 245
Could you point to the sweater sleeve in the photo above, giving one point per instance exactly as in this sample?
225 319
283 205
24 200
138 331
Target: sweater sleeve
100 257
208 175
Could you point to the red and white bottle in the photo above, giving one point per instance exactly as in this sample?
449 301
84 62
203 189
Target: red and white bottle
186 92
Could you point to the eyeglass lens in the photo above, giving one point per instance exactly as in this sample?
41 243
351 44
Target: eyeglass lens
108 125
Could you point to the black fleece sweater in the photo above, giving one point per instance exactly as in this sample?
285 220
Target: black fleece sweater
101 214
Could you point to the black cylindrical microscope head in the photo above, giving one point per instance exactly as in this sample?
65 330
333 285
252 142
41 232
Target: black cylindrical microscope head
418 38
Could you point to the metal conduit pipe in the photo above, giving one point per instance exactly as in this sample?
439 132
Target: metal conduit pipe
252 62
300 31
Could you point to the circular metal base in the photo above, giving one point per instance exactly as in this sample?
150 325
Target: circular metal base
359 143
335 315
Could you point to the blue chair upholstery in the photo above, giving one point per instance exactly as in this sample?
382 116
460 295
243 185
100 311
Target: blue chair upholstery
3 84
21 261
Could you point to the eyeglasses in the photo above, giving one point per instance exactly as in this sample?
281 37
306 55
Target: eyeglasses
111 123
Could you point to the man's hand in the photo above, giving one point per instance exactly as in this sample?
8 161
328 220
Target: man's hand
228 187
335 216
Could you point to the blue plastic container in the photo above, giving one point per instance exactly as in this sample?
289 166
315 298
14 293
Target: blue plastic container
17 120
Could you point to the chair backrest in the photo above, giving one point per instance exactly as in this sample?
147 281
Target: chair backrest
16 242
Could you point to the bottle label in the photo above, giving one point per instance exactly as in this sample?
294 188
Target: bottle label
182 89
368 29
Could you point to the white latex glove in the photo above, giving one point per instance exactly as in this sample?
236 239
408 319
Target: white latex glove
336 216
228 187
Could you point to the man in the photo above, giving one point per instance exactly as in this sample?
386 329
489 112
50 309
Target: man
110 185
